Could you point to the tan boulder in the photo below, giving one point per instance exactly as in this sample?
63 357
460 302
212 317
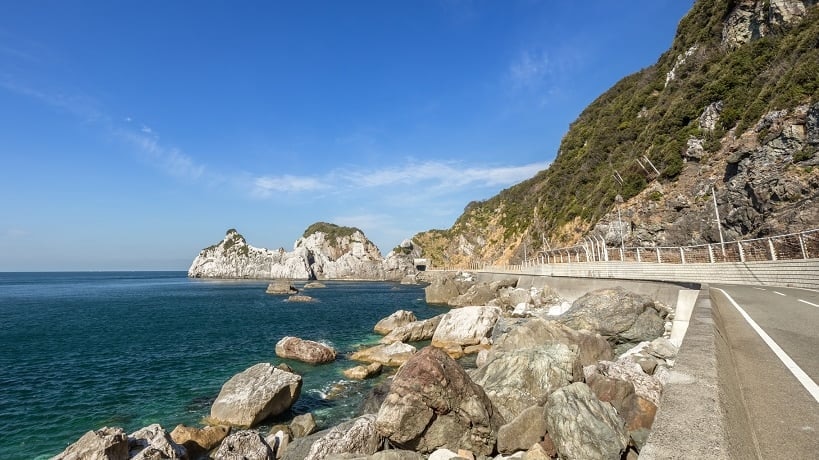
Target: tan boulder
305 350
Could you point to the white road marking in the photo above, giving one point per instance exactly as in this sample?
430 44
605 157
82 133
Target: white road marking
809 303
797 371
777 292
760 289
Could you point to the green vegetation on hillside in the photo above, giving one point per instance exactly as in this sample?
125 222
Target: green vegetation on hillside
645 115
331 231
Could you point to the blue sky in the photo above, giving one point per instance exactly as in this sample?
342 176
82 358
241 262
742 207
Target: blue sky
133 134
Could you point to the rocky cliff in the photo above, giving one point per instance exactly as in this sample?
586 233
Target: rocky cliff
325 251
731 107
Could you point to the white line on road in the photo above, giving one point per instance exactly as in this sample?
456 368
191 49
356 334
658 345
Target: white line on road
797 371
760 289
777 292
809 303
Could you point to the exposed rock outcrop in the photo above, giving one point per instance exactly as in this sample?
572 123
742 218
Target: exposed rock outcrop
358 436
415 331
243 445
394 354
253 395
153 442
198 441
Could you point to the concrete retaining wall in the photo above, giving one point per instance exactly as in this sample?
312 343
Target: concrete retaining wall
786 273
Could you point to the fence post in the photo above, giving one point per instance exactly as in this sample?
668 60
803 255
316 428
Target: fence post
741 252
659 260
638 255
710 253
773 251
682 255
622 255
802 246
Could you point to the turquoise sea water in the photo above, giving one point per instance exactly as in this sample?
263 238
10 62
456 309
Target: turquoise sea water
79 351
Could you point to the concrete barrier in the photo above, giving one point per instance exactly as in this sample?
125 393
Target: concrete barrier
802 273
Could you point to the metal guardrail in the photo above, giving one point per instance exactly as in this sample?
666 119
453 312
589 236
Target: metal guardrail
792 246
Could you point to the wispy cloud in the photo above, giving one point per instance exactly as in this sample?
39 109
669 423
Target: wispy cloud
530 68
433 175
15 233
266 186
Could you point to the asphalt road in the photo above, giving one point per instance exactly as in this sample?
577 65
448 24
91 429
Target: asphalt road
779 388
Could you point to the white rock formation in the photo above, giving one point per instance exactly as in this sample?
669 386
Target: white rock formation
325 251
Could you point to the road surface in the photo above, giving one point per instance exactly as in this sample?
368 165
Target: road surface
773 337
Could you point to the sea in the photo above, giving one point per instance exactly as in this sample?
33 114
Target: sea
80 351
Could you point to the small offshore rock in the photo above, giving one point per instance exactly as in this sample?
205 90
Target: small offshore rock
300 298
245 445
363 372
314 285
393 355
103 444
397 319
307 351
279 287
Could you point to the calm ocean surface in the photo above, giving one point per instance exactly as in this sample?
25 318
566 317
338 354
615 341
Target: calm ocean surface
79 351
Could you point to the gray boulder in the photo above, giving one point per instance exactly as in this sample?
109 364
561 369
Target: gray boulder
583 427
245 445
303 425
103 444
153 442
445 286
415 331
307 351
358 436
526 429
479 294
534 332
253 395
282 286
433 403
519 379
618 315
394 354
465 326
399 318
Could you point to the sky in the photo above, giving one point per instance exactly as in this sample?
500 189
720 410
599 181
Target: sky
134 134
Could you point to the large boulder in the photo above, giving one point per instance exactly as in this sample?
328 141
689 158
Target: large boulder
479 294
153 442
199 441
394 354
415 331
397 319
528 333
465 326
103 444
446 285
583 427
253 395
363 372
305 350
303 425
245 445
618 315
281 286
519 379
433 403
646 386
358 436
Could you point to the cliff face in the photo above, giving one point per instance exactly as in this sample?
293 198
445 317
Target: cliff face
326 251
732 105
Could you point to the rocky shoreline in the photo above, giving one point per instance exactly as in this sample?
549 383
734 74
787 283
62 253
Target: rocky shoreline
549 380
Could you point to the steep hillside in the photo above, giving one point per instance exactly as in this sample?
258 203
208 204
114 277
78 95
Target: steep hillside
732 105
